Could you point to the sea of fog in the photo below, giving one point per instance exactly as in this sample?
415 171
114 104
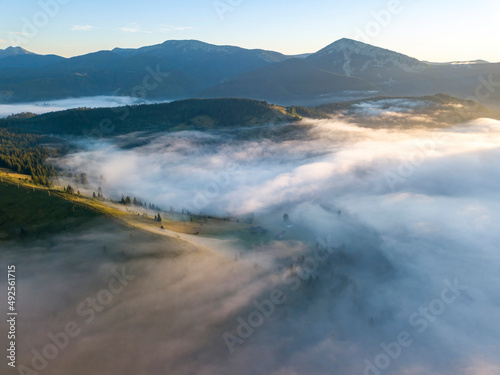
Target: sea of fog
62 104
389 265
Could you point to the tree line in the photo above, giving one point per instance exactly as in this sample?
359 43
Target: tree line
25 153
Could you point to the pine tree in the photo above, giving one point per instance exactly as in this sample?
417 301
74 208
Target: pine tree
83 179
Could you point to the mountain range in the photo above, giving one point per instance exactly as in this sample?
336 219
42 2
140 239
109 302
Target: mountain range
182 69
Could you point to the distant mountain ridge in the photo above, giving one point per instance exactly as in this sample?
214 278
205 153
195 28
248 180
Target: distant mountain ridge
387 72
182 69
188 46
290 81
13 51
353 58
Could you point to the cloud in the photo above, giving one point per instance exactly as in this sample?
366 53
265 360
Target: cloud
137 28
388 106
15 33
62 104
134 28
271 172
400 245
82 28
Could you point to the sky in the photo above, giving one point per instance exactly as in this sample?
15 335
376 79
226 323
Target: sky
447 30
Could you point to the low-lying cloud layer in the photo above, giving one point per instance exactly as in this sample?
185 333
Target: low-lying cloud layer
223 173
398 230
62 104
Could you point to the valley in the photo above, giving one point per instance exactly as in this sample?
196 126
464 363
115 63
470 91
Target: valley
175 206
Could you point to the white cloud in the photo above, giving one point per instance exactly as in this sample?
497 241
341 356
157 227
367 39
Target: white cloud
15 33
440 223
134 28
82 28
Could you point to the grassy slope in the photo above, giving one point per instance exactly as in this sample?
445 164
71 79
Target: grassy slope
30 218
27 213
28 210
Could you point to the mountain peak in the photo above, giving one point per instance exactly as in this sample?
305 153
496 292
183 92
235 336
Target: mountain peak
183 45
192 44
14 51
352 58
186 47
347 41
346 44
17 50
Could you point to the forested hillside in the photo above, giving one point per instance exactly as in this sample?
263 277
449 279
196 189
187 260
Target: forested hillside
26 153
194 114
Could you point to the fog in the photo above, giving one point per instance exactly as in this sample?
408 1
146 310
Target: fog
69 103
408 221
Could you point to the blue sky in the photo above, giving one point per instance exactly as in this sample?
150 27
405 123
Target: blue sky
441 30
